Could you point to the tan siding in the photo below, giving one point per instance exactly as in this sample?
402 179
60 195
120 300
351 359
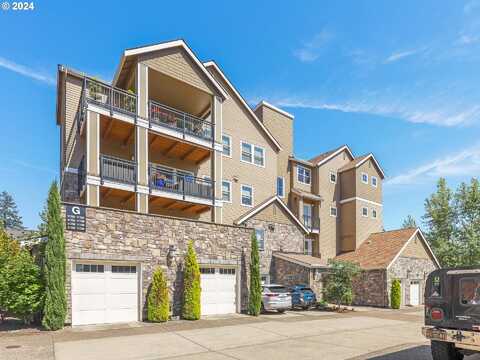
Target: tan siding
241 126
330 226
299 185
177 64
281 128
348 226
274 213
367 191
73 92
348 183
93 134
416 249
366 225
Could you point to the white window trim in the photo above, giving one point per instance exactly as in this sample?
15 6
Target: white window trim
336 211
230 183
364 207
374 211
252 148
298 174
231 147
283 186
376 181
241 202
330 177
361 178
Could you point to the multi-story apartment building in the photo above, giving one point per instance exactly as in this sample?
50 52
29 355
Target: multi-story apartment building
170 152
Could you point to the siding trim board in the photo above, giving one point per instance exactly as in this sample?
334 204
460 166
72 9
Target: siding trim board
331 156
344 201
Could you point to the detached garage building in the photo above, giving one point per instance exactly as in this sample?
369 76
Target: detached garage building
399 254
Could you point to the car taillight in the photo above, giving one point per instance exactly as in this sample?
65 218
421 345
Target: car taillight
436 314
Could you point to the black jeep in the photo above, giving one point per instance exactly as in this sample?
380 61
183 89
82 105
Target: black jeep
452 312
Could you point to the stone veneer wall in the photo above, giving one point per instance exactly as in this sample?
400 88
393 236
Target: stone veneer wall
369 288
117 235
408 269
284 237
289 273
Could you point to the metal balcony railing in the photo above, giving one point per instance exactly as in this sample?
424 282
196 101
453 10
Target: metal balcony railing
179 182
110 97
163 115
118 170
311 223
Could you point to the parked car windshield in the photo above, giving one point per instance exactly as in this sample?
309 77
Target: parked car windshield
470 291
278 289
306 289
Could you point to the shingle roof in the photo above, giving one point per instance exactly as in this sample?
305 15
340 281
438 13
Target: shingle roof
353 163
302 259
324 155
380 249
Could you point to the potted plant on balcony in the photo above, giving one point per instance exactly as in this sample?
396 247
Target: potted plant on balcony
94 92
130 101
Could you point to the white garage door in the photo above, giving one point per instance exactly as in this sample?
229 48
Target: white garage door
218 290
104 293
414 293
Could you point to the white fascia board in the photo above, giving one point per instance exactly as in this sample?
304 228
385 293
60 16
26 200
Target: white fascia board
335 154
275 108
244 103
168 45
371 156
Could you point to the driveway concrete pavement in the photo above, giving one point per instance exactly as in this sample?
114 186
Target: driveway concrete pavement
366 334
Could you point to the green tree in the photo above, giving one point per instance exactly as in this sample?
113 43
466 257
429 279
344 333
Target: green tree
395 294
467 207
339 288
55 307
255 297
158 303
409 222
440 220
191 283
9 248
9 216
21 290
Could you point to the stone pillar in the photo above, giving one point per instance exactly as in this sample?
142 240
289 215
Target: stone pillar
216 159
93 158
141 139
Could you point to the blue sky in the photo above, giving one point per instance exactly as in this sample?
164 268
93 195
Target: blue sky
399 79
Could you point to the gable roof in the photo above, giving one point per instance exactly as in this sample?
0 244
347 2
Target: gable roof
167 45
302 259
355 163
264 205
382 249
324 157
274 108
243 102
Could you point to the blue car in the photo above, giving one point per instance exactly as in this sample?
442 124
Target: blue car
303 297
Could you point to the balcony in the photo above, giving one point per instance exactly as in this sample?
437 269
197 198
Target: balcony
109 97
179 184
311 223
114 170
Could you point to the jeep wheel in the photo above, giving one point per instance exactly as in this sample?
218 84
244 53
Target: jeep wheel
442 350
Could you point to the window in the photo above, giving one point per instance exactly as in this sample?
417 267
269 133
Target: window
470 291
307 246
333 211
281 186
246 152
124 269
94 268
247 195
364 212
307 215
333 177
259 157
227 145
365 178
253 154
260 234
436 290
205 270
303 174
226 191
374 181
224 271
374 213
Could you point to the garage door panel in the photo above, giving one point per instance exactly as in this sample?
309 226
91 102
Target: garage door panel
123 285
89 285
218 291
123 301
93 302
89 317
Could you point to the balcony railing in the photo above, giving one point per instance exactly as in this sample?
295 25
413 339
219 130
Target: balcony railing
179 182
110 97
188 124
311 223
118 170
81 175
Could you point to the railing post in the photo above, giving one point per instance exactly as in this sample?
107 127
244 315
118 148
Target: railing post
111 101
184 120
